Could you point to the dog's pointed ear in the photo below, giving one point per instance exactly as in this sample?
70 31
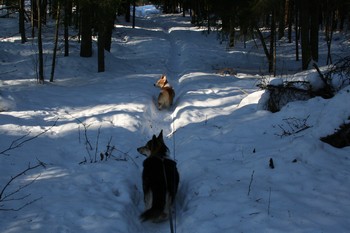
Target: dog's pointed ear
154 137
153 141
160 136
163 77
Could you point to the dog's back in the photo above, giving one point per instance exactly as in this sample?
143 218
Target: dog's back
160 182
167 93
160 179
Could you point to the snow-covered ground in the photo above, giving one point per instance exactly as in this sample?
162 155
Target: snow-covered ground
217 131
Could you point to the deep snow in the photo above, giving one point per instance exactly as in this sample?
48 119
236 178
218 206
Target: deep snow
217 131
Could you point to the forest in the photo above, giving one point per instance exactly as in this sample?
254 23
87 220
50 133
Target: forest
268 20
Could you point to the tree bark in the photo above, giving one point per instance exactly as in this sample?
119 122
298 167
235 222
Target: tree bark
314 28
56 42
21 22
86 33
297 31
127 5
43 10
272 57
34 16
232 34
282 18
289 5
261 37
305 34
102 20
109 30
101 49
67 20
133 14
40 46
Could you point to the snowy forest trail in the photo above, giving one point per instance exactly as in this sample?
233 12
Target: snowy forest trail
188 57
217 131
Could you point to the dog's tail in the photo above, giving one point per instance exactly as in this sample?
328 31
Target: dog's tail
159 202
151 214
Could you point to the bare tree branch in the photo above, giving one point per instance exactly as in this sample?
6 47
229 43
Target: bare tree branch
23 139
21 207
88 145
294 126
98 138
11 196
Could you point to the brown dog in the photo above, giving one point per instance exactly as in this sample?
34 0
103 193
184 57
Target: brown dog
167 93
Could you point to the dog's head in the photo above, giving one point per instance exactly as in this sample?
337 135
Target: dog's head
155 147
161 82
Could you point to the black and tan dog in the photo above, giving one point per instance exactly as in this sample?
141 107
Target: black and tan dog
160 179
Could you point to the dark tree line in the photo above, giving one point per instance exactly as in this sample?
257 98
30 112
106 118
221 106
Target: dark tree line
300 21
89 17
282 18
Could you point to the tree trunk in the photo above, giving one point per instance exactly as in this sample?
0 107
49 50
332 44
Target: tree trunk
77 16
67 20
133 14
34 18
56 42
329 34
184 8
282 19
297 31
208 20
101 24
101 49
289 4
261 37
109 30
314 28
305 34
195 12
86 33
232 34
21 22
127 5
40 47
43 10
272 57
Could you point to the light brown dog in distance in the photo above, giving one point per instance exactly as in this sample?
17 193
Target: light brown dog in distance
167 93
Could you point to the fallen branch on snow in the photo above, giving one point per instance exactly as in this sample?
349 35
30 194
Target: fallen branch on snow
251 181
20 141
10 196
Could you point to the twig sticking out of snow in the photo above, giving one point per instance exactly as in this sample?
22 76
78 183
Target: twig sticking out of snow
103 155
295 126
20 141
271 163
97 140
250 183
11 195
